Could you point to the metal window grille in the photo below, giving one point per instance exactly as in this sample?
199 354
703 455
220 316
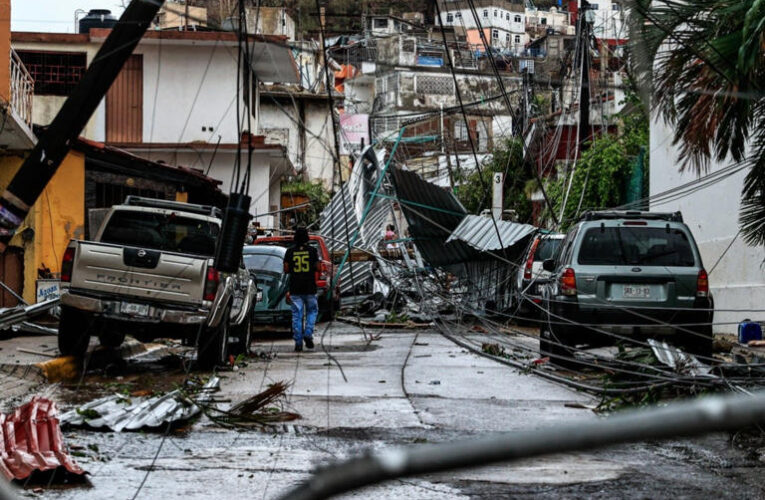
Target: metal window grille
54 73
439 85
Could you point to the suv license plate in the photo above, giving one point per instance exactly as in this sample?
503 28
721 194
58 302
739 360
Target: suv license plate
636 292
134 309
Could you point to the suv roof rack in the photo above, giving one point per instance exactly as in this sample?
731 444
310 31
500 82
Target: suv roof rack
631 214
141 201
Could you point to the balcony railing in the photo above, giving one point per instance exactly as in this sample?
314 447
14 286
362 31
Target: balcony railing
22 89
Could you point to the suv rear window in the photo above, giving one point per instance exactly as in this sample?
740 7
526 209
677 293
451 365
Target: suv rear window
649 246
546 249
172 233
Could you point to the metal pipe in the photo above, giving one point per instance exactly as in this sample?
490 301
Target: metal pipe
689 418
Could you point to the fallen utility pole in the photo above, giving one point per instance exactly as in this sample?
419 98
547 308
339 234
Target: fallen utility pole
51 149
700 416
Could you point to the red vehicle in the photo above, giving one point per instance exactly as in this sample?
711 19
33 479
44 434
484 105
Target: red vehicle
326 270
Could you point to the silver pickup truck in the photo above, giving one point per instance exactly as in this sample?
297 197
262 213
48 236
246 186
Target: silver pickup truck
149 273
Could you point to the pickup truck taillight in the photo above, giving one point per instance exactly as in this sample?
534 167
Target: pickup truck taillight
323 271
568 282
530 261
702 284
66 265
211 283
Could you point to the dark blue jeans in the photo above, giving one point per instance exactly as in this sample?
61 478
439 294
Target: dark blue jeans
310 305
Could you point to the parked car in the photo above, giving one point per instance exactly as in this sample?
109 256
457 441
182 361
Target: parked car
532 277
149 272
633 274
265 264
326 270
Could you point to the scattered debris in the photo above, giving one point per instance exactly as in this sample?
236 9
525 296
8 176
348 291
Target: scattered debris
682 362
120 412
494 350
21 314
257 411
31 441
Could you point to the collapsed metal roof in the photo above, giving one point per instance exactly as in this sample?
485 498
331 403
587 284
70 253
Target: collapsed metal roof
119 412
482 234
31 440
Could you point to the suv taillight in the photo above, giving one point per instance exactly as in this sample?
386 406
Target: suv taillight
530 261
211 283
66 265
702 284
568 282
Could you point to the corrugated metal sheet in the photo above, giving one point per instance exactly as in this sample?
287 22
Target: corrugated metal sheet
481 233
680 361
31 440
341 218
432 213
119 412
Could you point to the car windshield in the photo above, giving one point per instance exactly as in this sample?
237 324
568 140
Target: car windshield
650 246
168 232
268 262
546 249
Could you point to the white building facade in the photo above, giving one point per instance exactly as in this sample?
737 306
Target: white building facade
175 101
736 276
503 23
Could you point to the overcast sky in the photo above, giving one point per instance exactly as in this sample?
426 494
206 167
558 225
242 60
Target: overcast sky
54 15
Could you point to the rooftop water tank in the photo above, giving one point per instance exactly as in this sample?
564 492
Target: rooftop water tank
97 18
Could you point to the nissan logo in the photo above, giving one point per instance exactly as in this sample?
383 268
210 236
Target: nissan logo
142 253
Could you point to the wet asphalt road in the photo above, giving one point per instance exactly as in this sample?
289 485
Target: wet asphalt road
407 387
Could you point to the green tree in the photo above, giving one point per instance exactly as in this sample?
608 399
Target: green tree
317 195
601 175
702 64
474 192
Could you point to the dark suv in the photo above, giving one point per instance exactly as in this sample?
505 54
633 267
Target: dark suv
626 275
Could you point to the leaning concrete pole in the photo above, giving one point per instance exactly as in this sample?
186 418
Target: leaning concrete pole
51 149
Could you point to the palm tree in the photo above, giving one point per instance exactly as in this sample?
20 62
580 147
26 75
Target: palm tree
703 62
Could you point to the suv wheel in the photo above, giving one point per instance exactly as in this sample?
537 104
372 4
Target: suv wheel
73 332
213 344
556 348
243 334
700 342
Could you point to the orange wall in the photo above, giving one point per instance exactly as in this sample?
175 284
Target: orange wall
474 38
5 50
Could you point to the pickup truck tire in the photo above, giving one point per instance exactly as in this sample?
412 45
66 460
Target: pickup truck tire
213 344
243 333
73 332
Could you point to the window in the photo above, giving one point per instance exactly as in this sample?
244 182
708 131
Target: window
593 6
380 23
485 13
507 37
161 232
438 85
517 38
449 18
54 73
650 246
507 16
543 20
495 34
458 15
495 13
546 249
616 6
517 19
265 261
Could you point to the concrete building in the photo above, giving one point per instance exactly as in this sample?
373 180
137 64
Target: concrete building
607 17
736 278
175 101
502 21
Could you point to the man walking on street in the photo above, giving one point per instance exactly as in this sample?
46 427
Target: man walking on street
301 262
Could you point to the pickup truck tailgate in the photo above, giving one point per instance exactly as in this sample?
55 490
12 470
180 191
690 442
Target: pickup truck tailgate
139 273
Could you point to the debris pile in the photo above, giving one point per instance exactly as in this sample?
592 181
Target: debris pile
260 410
119 412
